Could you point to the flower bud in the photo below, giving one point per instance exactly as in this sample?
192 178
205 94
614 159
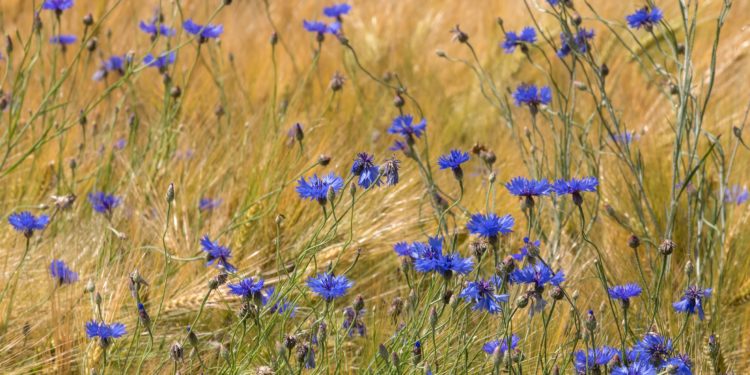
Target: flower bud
667 247
634 241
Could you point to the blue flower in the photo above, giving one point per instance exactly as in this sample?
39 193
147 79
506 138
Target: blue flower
532 96
736 195
429 255
59 271
681 365
653 348
626 137
317 188
537 274
208 204
692 301
490 225
453 160
321 27
63 40
553 2
596 357
525 249
523 187
513 39
217 254
104 331
281 306
635 368
27 223
404 126
329 286
364 167
204 33
625 292
247 288
353 321
576 185
103 203
113 64
645 18
578 43
156 29
482 294
161 62
405 250
491 346
454 263
57 5
337 10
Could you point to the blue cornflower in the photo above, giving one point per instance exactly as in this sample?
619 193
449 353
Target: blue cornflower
112 64
653 348
428 255
321 28
60 272
482 294
490 225
217 254
491 346
626 137
736 195
635 368
523 187
575 187
57 5
578 43
532 96
337 10
596 357
281 306
105 332
63 40
317 188
364 167
104 203
156 29
329 286
353 321
27 223
528 245
208 204
513 39
247 288
404 126
121 143
204 33
405 250
161 62
645 18
306 353
680 365
454 263
453 161
537 274
692 301
553 2
390 171
624 293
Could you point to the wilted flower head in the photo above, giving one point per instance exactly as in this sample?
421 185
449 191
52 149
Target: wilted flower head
513 39
390 171
337 10
329 286
645 18
483 294
60 272
161 62
532 96
692 301
364 167
490 225
316 188
217 254
204 33
103 203
577 43
156 28
27 223
491 346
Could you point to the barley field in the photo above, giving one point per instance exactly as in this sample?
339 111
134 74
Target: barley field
374 187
